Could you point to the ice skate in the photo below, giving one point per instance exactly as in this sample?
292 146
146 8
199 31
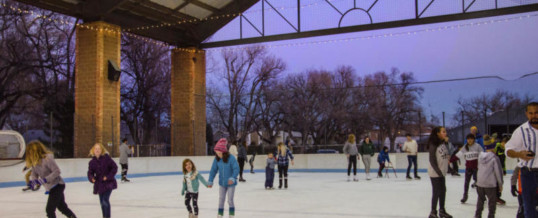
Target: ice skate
464 199
191 215
355 179
368 177
444 214
433 214
26 188
501 201
408 177
417 177
285 183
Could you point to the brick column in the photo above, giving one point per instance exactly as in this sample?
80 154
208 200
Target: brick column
188 102
97 99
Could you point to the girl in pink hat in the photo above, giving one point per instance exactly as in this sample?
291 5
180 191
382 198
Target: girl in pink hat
228 169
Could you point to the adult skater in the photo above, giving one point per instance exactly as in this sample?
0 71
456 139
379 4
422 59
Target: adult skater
367 152
46 172
477 137
284 154
438 155
523 145
228 169
125 151
411 148
469 153
252 150
241 159
102 172
352 154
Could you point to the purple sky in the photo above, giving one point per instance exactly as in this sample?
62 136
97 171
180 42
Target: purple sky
506 49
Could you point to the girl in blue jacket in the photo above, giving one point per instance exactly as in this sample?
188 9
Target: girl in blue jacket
228 168
381 158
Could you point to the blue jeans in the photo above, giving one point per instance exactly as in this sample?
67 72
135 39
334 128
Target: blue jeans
529 180
269 177
104 199
412 159
223 191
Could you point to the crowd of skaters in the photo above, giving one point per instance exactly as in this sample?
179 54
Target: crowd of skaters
484 164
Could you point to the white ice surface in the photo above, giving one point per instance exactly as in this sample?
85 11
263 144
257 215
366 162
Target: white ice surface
309 195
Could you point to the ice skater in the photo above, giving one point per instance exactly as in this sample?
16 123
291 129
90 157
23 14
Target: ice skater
381 158
252 151
228 169
499 151
284 154
191 183
352 154
469 153
438 155
46 172
490 179
411 148
125 151
270 171
102 172
367 152
241 159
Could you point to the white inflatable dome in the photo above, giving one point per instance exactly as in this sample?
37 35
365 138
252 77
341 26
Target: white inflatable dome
12 145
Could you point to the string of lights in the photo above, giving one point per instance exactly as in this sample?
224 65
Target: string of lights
238 48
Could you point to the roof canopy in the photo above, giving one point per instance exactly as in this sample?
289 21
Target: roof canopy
130 14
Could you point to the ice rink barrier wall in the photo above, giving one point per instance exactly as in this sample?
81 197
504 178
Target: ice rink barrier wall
73 170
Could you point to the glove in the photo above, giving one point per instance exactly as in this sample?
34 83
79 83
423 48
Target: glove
35 182
514 191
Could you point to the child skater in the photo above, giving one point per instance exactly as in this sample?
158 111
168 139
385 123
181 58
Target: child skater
490 178
46 173
228 168
438 156
381 158
270 171
283 163
469 153
191 182
101 172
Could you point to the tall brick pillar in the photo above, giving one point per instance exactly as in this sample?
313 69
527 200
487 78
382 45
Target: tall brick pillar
97 99
188 102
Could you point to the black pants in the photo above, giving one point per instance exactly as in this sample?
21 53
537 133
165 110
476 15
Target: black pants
283 170
381 167
57 200
194 197
491 194
124 168
468 173
241 166
251 162
352 160
412 159
438 192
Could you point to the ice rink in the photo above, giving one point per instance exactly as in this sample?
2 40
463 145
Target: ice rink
324 194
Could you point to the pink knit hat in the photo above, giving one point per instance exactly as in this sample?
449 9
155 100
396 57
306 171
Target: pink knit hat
221 145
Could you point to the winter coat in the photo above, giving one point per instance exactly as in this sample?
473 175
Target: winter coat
48 170
233 151
367 149
438 160
271 162
382 157
242 152
490 173
350 148
124 153
195 179
227 171
411 147
98 169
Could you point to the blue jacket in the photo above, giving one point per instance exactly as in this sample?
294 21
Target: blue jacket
227 171
382 156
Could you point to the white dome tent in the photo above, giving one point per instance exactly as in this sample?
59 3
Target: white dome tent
12 145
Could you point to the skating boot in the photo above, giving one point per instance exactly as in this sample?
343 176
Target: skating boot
433 214
355 179
501 201
286 183
417 177
408 177
444 214
279 183
464 199
368 176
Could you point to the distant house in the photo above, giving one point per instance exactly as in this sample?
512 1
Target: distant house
500 122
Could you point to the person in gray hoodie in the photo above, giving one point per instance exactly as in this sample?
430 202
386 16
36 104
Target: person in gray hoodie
46 172
352 154
125 151
490 178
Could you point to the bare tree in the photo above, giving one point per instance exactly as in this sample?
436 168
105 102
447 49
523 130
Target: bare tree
145 89
393 100
245 73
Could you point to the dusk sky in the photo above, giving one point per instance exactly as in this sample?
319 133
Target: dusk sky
508 49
